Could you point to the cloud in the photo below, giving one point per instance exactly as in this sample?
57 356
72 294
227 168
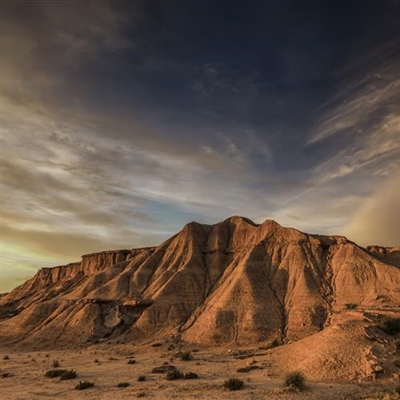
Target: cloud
60 33
378 219
355 182
65 245
66 192
375 153
362 103
86 169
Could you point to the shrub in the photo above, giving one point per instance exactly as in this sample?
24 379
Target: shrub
233 384
397 389
296 380
156 345
123 384
64 374
55 373
68 374
186 356
55 364
174 375
6 358
391 326
190 375
396 362
84 385
141 378
131 361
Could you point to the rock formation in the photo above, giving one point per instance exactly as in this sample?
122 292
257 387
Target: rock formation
234 281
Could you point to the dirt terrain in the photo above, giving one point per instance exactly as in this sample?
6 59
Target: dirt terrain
106 365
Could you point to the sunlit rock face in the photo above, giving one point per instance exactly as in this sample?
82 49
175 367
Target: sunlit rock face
234 281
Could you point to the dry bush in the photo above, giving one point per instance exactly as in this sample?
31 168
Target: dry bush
296 380
84 385
174 375
233 384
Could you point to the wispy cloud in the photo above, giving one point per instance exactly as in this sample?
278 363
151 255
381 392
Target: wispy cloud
85 167
363 102
352 185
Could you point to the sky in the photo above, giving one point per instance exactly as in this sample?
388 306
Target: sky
123 121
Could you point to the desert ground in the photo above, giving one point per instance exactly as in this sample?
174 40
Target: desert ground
106 365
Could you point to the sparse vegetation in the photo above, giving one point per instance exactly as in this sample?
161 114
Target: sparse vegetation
186 356
123 385
84 385
55 364
131 361
190 375
174 375
68 374
295 380
63 374
389 325
397 389
233 384
54 373
141 378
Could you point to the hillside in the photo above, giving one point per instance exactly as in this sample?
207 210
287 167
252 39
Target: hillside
232 282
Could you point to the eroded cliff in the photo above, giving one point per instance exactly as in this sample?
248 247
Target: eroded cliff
234 281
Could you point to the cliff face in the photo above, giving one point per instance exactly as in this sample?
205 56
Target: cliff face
51 282
230 282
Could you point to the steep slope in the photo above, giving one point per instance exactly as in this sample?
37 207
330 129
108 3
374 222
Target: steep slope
230 282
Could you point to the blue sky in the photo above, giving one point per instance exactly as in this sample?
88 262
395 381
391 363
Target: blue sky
123 121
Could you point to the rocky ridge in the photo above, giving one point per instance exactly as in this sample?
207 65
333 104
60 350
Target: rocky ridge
232 282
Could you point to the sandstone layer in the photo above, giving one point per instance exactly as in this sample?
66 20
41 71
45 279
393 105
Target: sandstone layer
232 282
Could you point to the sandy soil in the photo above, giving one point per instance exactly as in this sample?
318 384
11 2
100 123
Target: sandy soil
22 375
